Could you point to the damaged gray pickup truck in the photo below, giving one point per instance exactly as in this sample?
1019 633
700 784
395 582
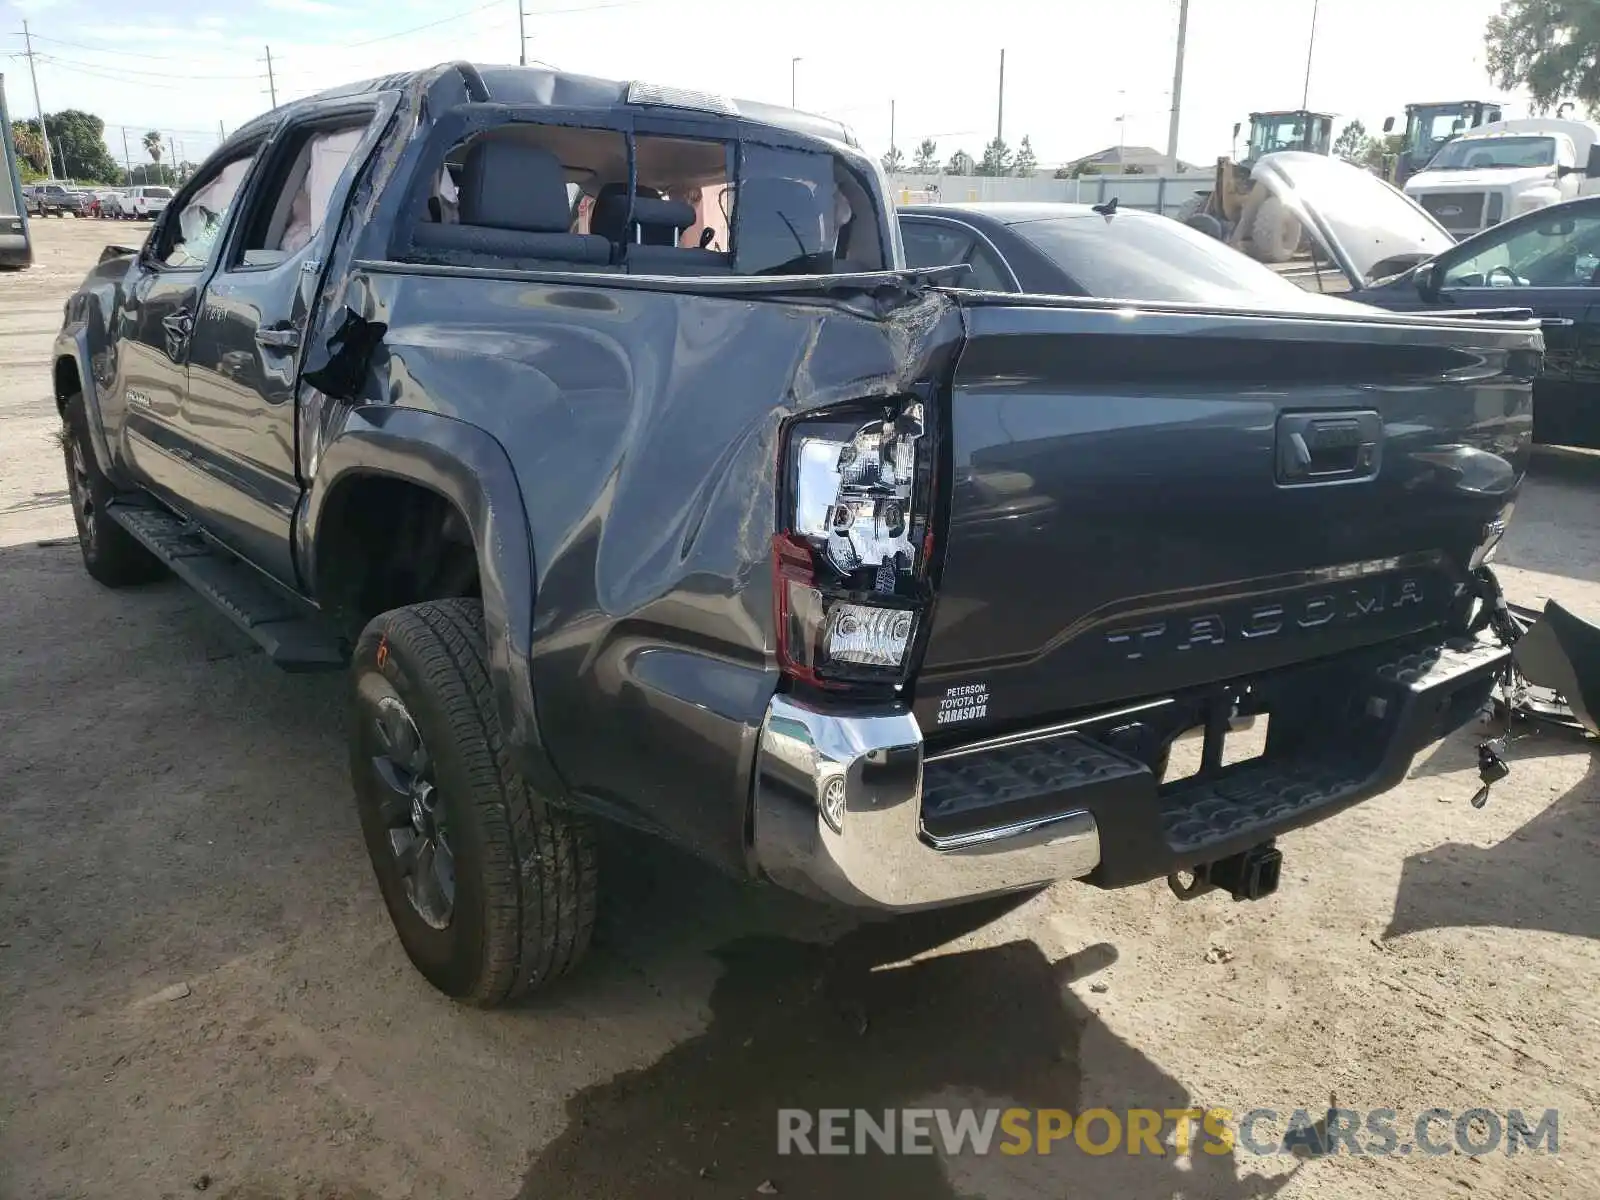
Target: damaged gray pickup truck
600 429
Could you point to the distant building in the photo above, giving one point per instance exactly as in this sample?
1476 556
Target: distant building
1114 159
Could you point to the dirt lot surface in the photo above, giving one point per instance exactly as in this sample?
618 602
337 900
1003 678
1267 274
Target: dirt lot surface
199 990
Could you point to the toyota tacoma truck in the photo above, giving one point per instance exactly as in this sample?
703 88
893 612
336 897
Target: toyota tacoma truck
601 433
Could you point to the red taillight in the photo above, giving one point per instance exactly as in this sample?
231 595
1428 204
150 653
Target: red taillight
850 558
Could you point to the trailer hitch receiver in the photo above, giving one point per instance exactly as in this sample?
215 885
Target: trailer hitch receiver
1250 875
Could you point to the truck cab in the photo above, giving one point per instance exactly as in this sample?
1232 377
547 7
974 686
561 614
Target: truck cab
1502 170
1272 132
1430 126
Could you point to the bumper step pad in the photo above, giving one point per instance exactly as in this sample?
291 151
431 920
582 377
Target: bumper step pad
965 793
1413 699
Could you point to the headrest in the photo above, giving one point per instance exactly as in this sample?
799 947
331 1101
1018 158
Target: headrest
507 185
677 214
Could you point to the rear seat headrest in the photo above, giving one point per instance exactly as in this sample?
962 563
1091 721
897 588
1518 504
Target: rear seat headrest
507 185
676 214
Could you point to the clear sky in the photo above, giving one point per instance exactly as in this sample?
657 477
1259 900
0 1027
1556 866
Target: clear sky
1072 66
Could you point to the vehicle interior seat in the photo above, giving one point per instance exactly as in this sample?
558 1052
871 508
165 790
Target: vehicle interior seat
649 243
610 216
661 223
514 204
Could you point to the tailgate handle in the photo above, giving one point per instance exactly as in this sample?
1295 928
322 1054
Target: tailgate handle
1328 447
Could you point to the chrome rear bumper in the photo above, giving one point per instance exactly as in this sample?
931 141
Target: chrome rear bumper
838 812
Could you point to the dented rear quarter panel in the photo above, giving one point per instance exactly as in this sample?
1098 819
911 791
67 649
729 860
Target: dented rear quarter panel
643 426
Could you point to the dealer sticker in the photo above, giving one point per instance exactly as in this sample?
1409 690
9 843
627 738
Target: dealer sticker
966 702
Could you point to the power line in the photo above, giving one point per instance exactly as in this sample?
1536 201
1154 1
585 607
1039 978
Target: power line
532 12
136 72
96 74
39 37
430 25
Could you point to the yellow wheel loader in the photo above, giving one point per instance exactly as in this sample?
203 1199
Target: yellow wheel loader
1244 214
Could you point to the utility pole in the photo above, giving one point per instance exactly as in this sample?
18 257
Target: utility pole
1177 84
522 34
272 84
222 135
44 134
1000 114
794 75
127 159
1305 99
891 123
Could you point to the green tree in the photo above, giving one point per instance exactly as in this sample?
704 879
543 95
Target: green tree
996 158
152 145
151 173
1550 47
894 161
1352 143
1132 169
77 142
926 161
1026 162
960 164
25 140
1381 151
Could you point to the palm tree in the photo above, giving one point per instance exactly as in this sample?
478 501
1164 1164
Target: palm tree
29 146
152 145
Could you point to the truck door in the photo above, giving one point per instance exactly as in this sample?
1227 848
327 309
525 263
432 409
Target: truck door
244 359
155 324
1577 423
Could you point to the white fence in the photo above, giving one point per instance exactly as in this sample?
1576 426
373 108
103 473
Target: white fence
1164 194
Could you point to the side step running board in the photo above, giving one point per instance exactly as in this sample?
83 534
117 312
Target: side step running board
292 634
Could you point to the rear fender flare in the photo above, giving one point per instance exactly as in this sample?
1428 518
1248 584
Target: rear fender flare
471 470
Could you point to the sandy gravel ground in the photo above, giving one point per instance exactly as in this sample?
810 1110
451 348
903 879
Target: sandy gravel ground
199 990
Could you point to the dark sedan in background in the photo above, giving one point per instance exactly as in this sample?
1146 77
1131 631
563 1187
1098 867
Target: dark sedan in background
1371 244
1079 250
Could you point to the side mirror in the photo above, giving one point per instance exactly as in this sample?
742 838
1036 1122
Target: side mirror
1458 125
1592 169
1388 124
1427 278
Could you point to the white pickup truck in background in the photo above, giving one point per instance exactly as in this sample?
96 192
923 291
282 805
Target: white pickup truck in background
1499 171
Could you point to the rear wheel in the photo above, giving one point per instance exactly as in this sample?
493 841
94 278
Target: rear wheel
110 554
491 891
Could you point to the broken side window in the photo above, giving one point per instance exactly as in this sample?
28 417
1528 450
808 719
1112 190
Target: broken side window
802 212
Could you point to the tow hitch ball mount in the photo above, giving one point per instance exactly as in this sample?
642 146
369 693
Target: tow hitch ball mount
1250 875
1492 768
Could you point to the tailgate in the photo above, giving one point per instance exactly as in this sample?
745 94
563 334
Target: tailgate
1153 499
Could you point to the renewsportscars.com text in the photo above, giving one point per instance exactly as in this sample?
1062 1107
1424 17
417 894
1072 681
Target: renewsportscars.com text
1378 1132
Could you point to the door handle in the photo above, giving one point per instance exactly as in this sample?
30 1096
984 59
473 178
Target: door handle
278 339
1556 322
1328 447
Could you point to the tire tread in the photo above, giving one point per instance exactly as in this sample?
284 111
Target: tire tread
540 876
